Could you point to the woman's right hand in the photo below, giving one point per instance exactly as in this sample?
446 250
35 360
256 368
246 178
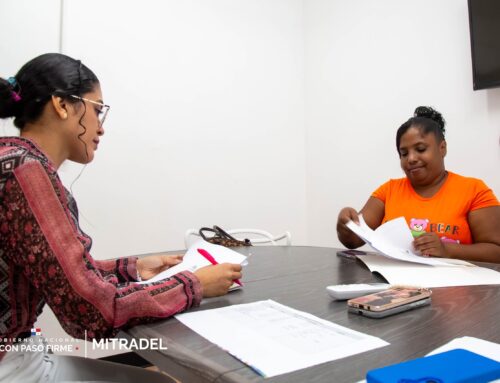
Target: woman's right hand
373 213
347 214
217 279
345 235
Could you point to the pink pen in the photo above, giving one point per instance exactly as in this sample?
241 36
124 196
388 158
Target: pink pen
212 260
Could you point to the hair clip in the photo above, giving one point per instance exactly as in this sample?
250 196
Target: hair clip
15 96
14 85
12 81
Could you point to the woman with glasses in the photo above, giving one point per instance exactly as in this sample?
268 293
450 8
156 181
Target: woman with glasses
449 215
57 104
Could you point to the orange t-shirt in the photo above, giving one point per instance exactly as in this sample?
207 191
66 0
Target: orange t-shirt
445 213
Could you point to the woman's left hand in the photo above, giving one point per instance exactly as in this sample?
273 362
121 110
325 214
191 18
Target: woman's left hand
430 245
148 267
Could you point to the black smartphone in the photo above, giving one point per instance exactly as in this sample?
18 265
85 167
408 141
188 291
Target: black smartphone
352 254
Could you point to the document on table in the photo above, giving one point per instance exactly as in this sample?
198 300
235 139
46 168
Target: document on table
193 260
479 346
404 273
394 240
274 339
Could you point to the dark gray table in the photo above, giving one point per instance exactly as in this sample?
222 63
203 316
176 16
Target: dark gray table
297 276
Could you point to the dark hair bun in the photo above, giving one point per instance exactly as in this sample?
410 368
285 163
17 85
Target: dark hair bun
7 104
25 95
434 115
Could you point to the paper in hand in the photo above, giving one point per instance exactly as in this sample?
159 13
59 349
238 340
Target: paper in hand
393 239
193 261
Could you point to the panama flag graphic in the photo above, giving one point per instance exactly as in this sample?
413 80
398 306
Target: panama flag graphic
36 331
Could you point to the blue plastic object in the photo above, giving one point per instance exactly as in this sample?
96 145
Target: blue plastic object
455 366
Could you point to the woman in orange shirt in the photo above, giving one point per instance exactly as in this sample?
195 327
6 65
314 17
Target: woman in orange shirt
449 215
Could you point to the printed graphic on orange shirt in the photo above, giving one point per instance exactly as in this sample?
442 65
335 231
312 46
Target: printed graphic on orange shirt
444 228
418 226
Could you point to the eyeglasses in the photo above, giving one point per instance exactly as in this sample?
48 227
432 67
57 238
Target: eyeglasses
103 112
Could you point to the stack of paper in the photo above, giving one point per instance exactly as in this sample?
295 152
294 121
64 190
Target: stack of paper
405 273
401 266
394 240
193 260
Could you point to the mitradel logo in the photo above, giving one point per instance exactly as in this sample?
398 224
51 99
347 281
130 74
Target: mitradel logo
122 344
38 343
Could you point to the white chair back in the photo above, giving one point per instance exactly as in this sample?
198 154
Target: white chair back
256 236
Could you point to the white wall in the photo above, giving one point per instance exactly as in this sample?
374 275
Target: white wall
206 124
28 28
367 66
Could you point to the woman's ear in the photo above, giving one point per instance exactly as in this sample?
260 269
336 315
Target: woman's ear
443 148
60 107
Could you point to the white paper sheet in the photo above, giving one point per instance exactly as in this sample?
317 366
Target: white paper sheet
393 239
404 273
192 260
275 339
479 346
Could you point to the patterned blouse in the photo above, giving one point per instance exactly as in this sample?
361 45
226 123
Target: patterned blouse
45 258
